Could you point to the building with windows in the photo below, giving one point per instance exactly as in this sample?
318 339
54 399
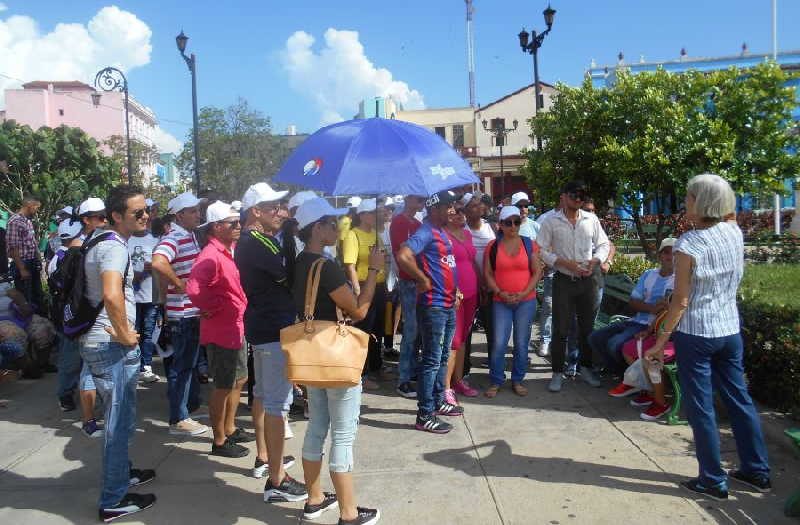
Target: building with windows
605 76
100 114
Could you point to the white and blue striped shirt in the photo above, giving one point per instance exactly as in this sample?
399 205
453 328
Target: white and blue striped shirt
718 254
651 288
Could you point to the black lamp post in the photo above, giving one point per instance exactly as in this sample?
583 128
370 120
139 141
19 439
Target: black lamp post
499 131
112 79
530 43
191 61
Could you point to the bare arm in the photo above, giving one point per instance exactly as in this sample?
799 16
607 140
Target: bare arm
16 256
641 306
352 276
406 260
164 268
677 307
356 307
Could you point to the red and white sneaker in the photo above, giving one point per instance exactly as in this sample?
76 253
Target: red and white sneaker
654 412
622 390
642 400
463 388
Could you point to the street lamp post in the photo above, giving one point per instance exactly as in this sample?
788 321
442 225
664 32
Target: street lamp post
191 62
530 43
499 131
112 79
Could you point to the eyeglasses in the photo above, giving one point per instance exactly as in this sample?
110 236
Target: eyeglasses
139 214
577 195
269 208
99 216
232 224
511 222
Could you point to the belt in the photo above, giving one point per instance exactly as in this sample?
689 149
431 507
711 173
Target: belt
572 278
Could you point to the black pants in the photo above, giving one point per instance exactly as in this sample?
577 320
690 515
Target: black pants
31 288
484 313
373 324
573 298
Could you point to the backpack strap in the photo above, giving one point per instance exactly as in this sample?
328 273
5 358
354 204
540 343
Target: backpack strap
526 242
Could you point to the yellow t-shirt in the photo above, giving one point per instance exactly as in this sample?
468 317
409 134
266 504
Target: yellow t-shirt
355 250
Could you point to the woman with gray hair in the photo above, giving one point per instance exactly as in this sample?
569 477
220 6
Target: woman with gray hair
709 262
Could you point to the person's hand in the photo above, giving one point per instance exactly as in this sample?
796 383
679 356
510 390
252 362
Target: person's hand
424 285
660 306
128 338
655 354
182 287
605 267
377 258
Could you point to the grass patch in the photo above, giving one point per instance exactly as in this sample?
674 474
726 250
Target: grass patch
771 284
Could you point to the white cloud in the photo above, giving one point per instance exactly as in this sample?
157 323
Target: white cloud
71 51
340 75
165 142
3 7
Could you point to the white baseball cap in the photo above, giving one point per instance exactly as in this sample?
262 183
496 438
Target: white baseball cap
261 192
466 198
182 201
519 196
219 211
91 205
367 205
389 202
314 209
66 210
667 242
236 205
300 197
68 229
353 202
508 211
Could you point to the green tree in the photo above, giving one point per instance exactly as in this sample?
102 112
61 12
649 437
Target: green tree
642 139
61 166
141 155
237 149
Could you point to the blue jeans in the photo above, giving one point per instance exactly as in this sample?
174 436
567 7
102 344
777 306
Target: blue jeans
181 374
69 365
437 326
546 312
272 386
146 317
336 409
115 369
408 344
505 316
713 364
607 342
9 354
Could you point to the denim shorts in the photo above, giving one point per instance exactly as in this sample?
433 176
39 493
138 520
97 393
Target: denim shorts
272 387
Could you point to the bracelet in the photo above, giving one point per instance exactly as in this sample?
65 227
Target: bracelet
372 269
662 331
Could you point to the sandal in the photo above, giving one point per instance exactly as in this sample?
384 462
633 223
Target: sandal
519 389
492 391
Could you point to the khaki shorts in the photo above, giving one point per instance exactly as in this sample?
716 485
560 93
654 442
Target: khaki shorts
226 365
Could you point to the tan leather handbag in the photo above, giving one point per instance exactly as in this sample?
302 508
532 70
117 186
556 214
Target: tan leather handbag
323 354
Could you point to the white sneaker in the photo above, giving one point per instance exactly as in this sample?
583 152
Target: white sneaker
555 382
187 427
148 376
287 430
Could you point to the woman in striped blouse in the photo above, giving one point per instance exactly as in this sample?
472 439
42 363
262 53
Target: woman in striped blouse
709 263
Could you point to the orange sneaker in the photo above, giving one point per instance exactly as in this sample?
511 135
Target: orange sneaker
622 390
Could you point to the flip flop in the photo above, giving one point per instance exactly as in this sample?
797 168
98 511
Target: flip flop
519 389
491 392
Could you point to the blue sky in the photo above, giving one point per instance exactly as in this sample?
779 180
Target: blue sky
240 45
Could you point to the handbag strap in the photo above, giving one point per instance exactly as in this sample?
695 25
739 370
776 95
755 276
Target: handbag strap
312 287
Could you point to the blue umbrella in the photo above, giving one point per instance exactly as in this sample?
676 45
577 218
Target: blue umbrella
376 156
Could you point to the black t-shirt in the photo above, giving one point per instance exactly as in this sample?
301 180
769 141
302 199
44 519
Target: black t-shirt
270 307
332 278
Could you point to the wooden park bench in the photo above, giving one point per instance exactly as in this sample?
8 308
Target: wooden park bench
614 309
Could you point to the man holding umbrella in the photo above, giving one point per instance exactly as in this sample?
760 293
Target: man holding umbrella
427 256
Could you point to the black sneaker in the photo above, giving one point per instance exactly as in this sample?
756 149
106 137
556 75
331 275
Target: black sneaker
130 504
365 517
407 391
141 476
315 511
66 403
433 424
240 436
758 482
446 409
719 493
289 490
229 449
261 468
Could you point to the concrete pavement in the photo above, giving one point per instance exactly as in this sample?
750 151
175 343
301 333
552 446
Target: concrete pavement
574 457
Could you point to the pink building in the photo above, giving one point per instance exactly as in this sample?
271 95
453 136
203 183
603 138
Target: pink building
53 103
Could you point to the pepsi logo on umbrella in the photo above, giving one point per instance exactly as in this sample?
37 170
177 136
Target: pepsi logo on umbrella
312 167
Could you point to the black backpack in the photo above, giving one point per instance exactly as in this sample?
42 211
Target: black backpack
55 285
78 314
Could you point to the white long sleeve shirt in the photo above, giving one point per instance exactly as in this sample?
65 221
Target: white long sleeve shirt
559 239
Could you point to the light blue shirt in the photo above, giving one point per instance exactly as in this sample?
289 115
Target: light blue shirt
529 228
651 288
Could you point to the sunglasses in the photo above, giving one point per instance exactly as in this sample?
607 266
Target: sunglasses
100 216
232 224
139 214
269 208
576 195
511 222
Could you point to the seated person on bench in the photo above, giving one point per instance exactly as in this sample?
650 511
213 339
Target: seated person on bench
647 299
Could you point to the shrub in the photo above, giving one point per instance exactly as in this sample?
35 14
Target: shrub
633 267
769 306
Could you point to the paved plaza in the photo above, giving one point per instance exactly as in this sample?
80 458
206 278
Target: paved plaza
576 457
